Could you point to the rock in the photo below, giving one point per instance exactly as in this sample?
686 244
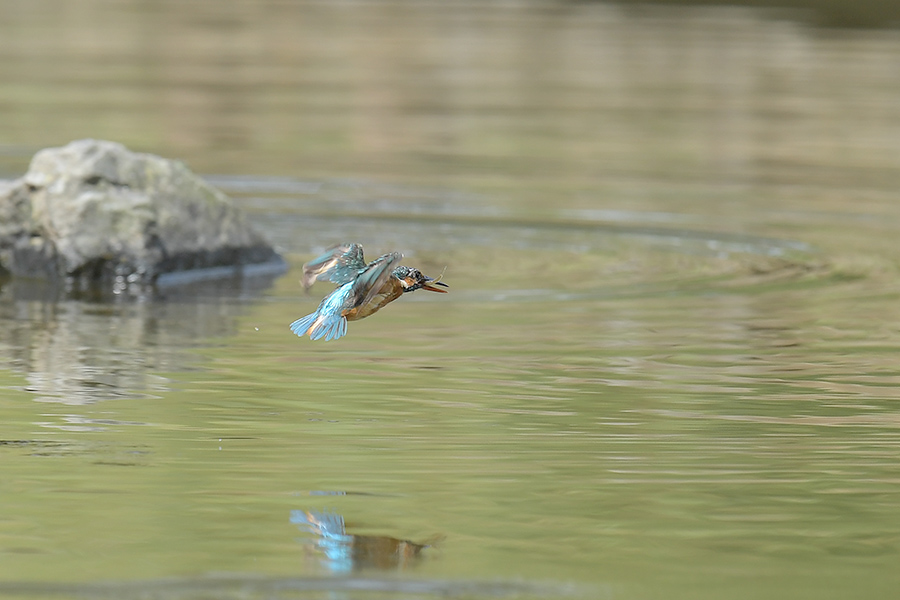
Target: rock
93 212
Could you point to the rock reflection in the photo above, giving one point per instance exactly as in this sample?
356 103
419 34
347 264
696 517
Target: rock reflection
83 350
345 553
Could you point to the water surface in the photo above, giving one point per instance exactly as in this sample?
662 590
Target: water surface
667 366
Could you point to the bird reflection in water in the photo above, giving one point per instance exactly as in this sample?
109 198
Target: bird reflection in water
345 552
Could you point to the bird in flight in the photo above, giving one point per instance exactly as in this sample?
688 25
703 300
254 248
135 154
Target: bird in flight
362 288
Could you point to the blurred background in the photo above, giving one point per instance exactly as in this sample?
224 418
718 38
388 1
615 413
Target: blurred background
485 91
667 366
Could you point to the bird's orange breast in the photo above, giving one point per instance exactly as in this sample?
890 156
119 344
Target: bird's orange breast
390 291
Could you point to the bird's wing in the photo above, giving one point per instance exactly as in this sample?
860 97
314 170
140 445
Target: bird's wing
340 264
369 282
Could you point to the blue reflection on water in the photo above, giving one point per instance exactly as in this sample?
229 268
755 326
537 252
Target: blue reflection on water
346 552
333 539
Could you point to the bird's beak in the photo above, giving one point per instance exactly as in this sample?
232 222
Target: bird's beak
431 283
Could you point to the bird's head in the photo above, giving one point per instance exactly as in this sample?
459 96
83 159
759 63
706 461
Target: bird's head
413 279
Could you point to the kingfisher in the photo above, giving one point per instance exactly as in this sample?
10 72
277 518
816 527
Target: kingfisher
362 288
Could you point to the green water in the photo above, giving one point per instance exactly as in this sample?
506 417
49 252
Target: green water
667 368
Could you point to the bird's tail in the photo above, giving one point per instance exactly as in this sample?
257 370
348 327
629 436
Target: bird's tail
317 326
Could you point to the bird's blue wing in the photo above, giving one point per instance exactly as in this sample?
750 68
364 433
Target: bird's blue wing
328 321
363 283
341 264
369 282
